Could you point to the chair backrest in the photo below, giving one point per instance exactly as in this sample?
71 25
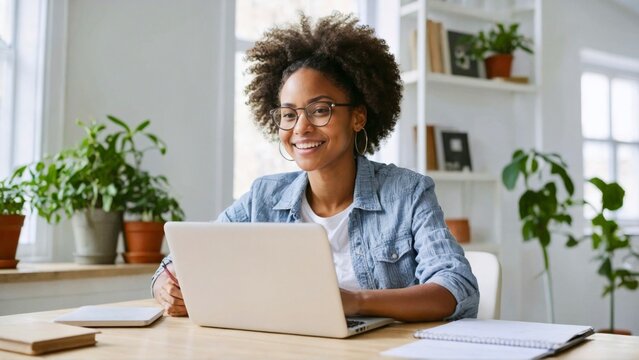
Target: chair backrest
487 270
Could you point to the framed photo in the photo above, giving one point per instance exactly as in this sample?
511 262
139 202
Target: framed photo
456 151
460 61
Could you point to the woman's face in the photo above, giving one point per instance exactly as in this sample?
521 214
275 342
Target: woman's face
316 148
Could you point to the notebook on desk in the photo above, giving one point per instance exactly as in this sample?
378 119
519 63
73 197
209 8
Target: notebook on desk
111 316
42 337
492 339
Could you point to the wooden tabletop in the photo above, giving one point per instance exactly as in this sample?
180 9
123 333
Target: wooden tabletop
65 271
178 338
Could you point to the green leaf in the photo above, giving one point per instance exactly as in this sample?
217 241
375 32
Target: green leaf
572 242
142 126
605 269
510 173
596 240
559 170
119 122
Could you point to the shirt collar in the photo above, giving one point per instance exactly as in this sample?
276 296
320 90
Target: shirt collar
365 196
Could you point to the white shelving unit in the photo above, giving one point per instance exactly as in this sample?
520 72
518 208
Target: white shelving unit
419 107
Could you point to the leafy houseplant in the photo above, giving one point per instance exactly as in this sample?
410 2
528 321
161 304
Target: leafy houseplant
88 183
12 203
151 203
607 238
502 42
541 210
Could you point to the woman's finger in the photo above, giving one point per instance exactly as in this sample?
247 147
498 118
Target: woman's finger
168 299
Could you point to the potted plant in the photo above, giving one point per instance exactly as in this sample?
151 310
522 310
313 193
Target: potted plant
151 205
501 42
608 239
542 210
12 203
88 184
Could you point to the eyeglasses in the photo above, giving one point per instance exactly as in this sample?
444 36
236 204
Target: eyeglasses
317 113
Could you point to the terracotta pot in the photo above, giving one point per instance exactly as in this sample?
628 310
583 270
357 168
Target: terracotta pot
10 227
615 331
498 65
142 257
460 228
143 237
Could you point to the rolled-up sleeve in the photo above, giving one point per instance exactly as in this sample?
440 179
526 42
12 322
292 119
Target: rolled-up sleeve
440 259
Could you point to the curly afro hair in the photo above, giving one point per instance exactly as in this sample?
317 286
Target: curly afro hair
348 54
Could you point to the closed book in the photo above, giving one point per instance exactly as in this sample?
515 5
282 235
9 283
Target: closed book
43 337
431 149
434 48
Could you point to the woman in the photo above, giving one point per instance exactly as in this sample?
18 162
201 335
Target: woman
331 92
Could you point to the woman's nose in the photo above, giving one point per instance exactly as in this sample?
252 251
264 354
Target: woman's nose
303 124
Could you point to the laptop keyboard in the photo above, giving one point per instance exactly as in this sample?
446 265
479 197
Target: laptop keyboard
354 323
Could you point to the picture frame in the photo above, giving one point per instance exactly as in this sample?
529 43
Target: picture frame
456 151
461 63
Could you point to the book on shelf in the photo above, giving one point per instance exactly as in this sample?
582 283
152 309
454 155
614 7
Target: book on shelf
412 44
43 337
433 30
493 339
431 147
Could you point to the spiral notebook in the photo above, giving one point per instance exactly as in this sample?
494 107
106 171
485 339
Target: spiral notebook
492 339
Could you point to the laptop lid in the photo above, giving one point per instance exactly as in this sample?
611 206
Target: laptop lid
271 277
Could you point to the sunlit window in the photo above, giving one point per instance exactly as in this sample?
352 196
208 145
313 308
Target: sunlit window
610 127
254 155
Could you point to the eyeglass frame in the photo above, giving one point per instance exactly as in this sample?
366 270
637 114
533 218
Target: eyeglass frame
331 106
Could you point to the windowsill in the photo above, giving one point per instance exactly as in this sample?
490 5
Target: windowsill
67 271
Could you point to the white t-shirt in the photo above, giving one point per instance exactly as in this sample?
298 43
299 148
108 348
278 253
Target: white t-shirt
336 227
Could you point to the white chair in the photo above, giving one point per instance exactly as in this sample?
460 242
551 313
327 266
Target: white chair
487 270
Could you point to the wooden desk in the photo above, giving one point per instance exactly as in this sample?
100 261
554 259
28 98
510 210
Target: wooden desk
178 338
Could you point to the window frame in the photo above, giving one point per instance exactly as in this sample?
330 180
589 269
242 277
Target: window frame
611 72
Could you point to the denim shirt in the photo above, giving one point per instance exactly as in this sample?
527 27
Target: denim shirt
398 237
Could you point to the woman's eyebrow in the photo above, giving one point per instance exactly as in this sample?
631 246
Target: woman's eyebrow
311 100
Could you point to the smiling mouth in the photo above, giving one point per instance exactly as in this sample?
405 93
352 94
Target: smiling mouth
308 145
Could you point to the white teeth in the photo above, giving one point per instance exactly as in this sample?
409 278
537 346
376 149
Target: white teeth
307 145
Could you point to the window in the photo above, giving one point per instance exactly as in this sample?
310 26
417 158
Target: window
255 156
610 128
22 30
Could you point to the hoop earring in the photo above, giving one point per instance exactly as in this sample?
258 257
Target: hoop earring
285 158
366 142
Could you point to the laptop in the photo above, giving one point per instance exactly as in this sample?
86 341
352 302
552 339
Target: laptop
271 277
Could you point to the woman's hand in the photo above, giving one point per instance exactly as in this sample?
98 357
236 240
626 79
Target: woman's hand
168 294
351 302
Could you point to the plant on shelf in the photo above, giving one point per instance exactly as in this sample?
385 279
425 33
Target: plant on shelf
151 204
542 210
88 183
12 204
501 42
608 239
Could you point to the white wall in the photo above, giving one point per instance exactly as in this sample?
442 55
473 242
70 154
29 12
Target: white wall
163 60
568 27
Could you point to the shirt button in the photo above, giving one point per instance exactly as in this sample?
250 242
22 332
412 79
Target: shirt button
394 256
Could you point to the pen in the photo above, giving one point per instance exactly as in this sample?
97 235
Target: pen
168 273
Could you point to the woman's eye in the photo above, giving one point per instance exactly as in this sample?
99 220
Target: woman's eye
322 111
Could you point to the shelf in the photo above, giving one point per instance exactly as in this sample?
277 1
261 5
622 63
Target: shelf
480 83
475 12
461 176
412 76
409 9
487 247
